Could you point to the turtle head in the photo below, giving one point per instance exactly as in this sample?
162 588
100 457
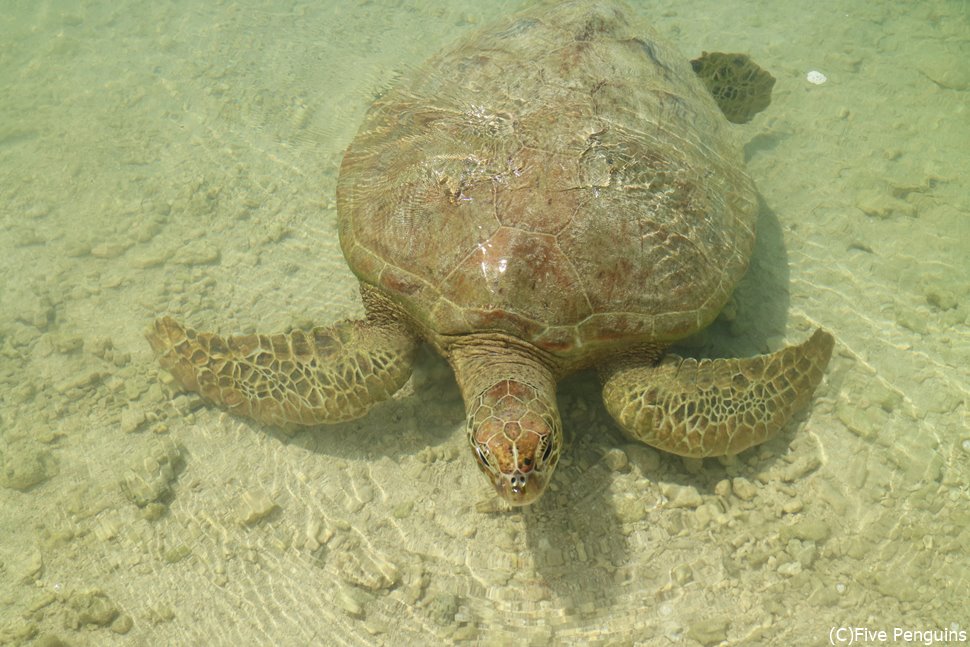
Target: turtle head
516 436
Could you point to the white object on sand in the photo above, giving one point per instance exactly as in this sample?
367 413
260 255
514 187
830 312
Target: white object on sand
816 77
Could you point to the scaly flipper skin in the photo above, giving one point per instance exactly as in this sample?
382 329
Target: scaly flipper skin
326 375
740 88
716 407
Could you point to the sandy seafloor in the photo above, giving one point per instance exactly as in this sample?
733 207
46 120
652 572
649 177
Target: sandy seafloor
181 158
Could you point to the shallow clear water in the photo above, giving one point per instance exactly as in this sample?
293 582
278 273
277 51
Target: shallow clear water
181 158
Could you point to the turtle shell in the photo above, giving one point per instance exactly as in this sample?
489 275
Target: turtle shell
563 178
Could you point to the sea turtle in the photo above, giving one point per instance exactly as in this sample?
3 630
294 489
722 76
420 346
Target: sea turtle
558 192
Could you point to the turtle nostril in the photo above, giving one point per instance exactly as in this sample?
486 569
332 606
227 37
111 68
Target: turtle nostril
518 481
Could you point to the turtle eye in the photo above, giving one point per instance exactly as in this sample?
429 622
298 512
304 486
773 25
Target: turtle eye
546 452
482 454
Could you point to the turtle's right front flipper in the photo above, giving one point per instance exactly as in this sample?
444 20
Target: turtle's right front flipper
326 375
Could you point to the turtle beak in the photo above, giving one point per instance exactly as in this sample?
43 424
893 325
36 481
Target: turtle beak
519 488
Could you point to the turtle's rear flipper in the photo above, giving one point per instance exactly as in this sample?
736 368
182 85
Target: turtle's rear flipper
740 88
716 407
325 375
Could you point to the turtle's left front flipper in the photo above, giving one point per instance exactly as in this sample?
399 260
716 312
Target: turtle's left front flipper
716 407
326 375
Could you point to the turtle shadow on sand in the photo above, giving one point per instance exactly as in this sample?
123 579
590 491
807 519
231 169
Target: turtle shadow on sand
759 307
